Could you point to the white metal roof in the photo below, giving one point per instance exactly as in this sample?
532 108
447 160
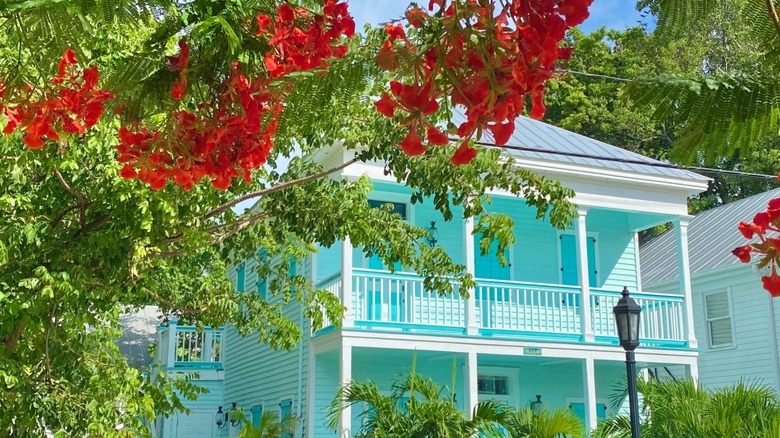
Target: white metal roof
712 235
538 140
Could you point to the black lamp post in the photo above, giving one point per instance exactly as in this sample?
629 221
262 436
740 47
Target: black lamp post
626 313
433 234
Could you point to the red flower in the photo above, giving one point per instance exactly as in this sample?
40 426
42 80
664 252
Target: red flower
395 31
748 230
128 172
743 253
537 105
416 17
436 137
771 283
761 219
14 115
502 132
412 144
464 154
68 58
386 105
177 91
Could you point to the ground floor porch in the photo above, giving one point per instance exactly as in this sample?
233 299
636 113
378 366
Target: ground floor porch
572 376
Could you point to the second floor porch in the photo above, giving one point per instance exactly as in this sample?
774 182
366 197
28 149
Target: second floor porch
381 300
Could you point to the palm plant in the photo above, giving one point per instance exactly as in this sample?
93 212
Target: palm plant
525 423
681 408
416 408
271 426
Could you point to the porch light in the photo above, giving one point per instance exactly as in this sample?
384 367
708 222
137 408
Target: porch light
433 234
536 406
233 416
222 418
626 313
627 320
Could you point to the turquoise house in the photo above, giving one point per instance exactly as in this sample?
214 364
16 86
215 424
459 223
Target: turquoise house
541 327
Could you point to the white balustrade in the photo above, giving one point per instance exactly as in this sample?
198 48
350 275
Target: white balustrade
661 318
194 348
332 284
507 305
400 299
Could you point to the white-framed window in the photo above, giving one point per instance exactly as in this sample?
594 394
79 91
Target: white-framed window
717 314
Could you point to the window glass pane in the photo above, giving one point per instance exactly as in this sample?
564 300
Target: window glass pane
720 332
717 305
398 208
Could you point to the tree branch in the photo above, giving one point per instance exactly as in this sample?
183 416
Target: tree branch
79 197
240 224
770 6
171 304
278 187
10 343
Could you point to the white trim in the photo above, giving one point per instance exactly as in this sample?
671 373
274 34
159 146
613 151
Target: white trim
638 266
495 346
706 319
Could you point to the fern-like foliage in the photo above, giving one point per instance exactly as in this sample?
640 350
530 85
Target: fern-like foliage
719 114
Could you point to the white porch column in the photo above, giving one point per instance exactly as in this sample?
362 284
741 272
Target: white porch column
308 422
346 283
173 340
684 271
589 385
582 267
472 327
345 376
693 370
470 377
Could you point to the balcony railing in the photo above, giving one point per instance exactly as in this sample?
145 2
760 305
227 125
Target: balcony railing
186 347
400 300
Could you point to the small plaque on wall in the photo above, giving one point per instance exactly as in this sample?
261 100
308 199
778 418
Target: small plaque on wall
532 351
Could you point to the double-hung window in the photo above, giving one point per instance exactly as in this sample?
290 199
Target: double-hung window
717 313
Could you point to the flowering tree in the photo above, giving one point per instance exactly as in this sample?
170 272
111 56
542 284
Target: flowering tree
132 132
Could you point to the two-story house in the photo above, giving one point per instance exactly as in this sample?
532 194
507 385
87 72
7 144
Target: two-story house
540 326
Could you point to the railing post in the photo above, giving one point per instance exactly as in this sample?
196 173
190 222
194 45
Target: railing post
346 282
472 327
684 271
581 233
205 348
173 343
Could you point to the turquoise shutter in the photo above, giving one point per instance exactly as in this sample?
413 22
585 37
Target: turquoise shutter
257 414
578 409
487 266
262 288
240 277
569 270
285 409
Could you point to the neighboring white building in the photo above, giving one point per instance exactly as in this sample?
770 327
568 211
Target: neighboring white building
736 320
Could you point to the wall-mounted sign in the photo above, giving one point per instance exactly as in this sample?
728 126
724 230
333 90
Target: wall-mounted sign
532 351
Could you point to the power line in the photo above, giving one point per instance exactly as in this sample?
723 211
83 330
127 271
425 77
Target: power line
595 75
628 161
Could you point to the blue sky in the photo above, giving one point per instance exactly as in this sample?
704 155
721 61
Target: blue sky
616 14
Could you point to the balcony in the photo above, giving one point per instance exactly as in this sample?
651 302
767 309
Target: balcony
399 301
184 347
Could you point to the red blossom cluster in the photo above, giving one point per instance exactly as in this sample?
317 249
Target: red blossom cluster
72 105
487 57
229 138
228 141
303 41
768 248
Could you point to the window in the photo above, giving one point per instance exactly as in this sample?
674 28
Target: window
493 385
718 316
398 208
240 278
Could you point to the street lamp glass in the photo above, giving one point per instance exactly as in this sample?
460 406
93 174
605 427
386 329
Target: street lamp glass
626 313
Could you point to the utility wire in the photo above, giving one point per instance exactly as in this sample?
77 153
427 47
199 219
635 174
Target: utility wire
627 160
594 75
